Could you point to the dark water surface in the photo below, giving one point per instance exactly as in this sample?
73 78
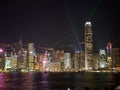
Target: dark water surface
58 81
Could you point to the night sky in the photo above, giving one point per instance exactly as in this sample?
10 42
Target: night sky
52 23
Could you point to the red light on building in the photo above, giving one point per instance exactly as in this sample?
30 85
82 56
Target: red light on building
109 46
41 58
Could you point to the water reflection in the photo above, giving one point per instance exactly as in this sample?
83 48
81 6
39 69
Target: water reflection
30 81
43 82
15 80
58 81
2 81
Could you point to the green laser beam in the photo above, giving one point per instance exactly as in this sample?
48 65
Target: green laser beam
94 10
91 15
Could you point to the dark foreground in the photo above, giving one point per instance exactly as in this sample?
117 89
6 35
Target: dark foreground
59 81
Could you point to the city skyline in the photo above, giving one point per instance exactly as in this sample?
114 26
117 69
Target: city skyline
54 23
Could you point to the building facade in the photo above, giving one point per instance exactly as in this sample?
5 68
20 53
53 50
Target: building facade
88 45
67 60
31 59
109 53
102 59
115 57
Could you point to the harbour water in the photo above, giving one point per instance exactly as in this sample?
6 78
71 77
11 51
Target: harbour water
59 81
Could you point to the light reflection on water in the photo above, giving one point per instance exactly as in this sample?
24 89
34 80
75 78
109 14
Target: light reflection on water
58 81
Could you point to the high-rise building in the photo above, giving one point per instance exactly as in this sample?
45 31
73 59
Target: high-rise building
22 59
14 61
96 61
109 53
82 60
7 62
78 61
88 45
2 61
31 52
67 60
20 44
102 59
115 57
45 61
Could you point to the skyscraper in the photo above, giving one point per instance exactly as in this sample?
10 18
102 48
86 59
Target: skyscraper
20 43
31 51
67 60
115 58
102 59
109 53
88 45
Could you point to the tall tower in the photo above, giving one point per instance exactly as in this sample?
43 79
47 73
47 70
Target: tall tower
31 51
88 45
67 60
109 53
102 59
20 43
115 57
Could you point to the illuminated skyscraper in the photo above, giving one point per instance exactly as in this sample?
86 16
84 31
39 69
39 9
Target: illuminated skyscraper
109 53
22 59
2 59
67 60
88 45
102 59
45 61
109 49
115 57
20 43
31 52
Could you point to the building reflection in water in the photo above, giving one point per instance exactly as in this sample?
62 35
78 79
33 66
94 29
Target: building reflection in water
58 81
2 81
30 81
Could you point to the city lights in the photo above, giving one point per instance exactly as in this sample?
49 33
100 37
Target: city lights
1 50
51 60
